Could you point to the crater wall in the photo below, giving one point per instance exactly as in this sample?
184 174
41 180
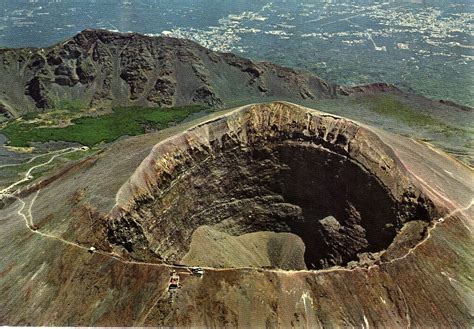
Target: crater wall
268 185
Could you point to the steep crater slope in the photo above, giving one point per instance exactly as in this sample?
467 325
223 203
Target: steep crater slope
269 185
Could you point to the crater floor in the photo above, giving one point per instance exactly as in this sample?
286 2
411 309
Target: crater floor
269 186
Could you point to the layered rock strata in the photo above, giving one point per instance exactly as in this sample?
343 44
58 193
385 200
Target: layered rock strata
268 168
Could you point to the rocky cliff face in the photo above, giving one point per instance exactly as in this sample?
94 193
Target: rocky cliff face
100 69
276 188
272 168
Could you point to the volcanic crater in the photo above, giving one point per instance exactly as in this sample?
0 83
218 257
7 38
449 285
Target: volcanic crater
271 185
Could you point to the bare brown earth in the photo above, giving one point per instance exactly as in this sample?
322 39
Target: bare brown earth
324 178
385 220
219 249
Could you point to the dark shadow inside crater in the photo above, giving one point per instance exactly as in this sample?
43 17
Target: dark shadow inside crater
332 203
345 209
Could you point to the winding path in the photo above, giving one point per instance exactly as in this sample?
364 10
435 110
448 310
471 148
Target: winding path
28 175
28 220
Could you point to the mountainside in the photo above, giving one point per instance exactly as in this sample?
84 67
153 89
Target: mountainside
299 218
99 68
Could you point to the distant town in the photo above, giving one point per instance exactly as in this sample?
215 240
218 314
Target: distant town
397 42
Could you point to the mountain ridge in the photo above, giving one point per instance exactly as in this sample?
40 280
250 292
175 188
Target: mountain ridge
100 68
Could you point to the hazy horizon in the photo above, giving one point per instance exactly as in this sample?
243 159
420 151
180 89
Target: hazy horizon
424 46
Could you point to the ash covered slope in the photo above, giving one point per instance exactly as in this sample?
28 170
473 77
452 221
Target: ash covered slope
103 68
423 277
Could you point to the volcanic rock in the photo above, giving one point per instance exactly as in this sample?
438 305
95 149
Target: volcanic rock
382 224
100 68
270 169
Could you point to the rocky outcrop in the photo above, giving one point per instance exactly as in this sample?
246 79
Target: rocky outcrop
275 168
371 88
419 203
101 69
5 112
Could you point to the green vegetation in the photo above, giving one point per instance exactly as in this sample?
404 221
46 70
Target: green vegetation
389 106
70 105
93 130
30 116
